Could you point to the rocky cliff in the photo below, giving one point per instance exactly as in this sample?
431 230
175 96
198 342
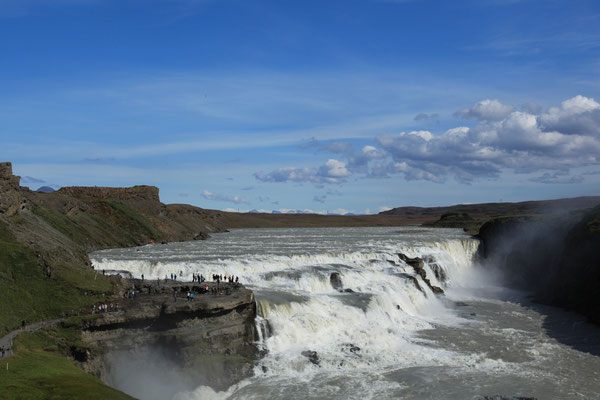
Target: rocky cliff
45 273
11 198
557 258
46 238
208 341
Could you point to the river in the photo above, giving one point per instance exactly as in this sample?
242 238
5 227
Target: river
382 336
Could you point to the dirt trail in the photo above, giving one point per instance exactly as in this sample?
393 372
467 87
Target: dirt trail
7 339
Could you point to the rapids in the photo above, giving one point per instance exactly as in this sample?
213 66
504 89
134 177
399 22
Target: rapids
382 335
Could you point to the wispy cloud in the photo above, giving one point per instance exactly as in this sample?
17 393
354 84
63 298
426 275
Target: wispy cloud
31 179
557 178
223 198
486 110
333 171
433 117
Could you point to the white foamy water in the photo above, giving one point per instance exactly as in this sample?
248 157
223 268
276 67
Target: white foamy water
385 335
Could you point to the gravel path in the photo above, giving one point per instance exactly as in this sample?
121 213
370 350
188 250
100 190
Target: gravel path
6 340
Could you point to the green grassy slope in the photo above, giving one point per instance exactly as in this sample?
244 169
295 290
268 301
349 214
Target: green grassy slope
27 293
40 369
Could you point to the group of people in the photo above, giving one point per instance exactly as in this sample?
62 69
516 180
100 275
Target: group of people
104 308
230 278
173 277
198 278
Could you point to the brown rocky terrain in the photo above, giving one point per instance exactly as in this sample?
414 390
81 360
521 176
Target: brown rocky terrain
45 273
209 340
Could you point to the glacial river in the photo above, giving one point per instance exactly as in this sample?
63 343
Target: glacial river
383 338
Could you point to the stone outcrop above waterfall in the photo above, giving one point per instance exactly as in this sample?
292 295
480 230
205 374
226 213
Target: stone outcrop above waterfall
210 339
418 266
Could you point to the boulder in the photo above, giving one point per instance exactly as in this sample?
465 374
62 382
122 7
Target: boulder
312 356
201 236
336 281
349 347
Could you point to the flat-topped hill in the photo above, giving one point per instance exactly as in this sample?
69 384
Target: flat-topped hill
135 193
45 238
497 209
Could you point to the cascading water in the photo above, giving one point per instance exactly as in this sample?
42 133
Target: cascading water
342 316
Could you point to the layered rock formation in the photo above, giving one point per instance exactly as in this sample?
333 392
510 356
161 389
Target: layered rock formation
418 266
46 273
210 340
11 199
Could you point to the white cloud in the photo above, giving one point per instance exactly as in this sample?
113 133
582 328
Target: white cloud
505 139
286 174
486 110
223 198
520 141
579 115
333 171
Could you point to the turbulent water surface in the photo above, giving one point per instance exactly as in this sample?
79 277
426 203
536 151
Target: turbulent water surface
385 337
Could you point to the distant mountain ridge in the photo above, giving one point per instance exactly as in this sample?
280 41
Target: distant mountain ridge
498 209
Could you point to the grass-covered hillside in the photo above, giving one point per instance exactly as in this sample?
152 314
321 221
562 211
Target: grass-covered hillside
31 290
42 369
45 238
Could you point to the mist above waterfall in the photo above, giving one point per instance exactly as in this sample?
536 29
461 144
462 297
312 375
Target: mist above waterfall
148 372
525 253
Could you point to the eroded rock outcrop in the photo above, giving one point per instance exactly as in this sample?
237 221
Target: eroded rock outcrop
210 340
11 197
418 265
140 197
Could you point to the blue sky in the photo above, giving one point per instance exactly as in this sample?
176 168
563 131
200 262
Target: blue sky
328 106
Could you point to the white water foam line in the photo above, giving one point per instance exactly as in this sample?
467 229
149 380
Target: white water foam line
382 331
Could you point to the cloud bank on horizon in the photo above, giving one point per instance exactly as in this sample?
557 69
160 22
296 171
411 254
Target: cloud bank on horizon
302 107
551 143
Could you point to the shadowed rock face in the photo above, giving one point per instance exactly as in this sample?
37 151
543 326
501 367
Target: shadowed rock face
557 260
418 265
335 279
11 199
208 341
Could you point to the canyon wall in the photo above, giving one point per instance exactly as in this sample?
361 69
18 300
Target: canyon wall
557 258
